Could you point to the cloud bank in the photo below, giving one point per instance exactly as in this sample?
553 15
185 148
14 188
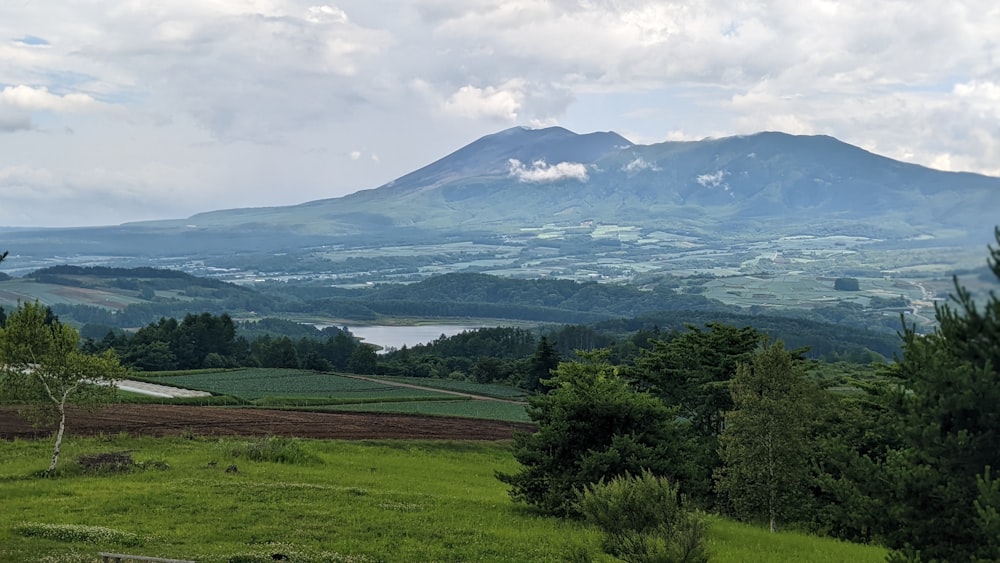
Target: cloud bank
263 102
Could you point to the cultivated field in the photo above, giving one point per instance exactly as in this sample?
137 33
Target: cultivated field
302 389
173 420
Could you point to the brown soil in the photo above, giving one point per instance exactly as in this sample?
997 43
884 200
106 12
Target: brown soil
168 420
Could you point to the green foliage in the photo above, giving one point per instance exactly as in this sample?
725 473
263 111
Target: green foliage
591 426
363 360
846 284
642 520
855 462
764 447
540 366
949 407
690 371
274 449
41 363
987 505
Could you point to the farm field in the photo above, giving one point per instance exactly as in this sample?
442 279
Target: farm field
255 383
469 408
484 389
301 389
18 290
801 291
174 420
394 500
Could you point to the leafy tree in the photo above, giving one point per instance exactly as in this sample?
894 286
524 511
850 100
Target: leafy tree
42 364
764 446
949 405
363 360
590 426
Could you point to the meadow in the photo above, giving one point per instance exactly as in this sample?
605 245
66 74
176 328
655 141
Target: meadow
237 499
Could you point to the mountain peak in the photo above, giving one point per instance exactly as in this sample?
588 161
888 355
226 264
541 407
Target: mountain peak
492 154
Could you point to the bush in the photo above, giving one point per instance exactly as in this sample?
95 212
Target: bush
643 521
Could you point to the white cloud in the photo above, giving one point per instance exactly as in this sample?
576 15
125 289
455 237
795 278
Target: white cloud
355 155
540 172
638 163
501 103
714 180
40 99
326 14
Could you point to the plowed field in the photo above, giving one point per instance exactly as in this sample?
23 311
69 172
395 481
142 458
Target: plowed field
165 420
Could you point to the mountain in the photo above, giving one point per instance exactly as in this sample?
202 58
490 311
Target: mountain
508 183
521 178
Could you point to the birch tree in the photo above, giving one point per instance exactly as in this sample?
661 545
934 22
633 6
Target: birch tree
43 367
764 446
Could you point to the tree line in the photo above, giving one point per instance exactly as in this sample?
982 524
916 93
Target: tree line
735 423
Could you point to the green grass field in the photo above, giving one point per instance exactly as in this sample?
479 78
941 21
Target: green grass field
341 501
492 410
301 389
484 389
254 383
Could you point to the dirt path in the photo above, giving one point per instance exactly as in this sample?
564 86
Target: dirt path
168 420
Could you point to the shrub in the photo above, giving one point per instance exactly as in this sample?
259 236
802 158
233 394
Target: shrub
643 521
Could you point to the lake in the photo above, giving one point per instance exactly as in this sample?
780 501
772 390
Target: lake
397 336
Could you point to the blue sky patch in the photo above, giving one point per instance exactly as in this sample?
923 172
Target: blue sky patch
32 41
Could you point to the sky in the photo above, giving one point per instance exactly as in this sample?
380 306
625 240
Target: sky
125 110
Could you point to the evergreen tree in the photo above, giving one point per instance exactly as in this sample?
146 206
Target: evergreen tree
545 359
691 371
765 447
949 404
591 426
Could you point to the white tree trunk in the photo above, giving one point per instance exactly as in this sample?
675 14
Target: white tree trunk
59 435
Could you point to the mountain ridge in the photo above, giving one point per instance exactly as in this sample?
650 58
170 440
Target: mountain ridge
516 181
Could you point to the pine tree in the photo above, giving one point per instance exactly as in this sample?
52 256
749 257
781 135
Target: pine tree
949 404
592 426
